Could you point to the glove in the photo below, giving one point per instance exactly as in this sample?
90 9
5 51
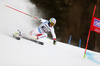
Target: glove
40 19
54 42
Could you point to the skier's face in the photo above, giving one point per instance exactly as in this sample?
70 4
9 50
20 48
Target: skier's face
50 25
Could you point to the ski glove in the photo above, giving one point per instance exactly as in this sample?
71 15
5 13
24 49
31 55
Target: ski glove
54 42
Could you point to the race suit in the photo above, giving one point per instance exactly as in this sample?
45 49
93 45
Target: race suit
43 29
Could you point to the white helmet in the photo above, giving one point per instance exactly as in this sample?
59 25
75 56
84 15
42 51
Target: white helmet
52 21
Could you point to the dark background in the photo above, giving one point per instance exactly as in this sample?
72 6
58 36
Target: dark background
73 18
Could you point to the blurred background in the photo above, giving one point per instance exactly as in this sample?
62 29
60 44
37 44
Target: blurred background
73 18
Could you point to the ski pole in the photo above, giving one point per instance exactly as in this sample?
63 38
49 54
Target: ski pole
21 12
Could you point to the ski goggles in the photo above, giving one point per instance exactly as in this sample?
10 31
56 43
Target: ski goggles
52 24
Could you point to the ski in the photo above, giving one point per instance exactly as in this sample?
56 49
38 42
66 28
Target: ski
39 42
18 38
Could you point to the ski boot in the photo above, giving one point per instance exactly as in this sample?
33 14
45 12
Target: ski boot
17 35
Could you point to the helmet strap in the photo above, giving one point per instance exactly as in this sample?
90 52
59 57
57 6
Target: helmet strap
49 23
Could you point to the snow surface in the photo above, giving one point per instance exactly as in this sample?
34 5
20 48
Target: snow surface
28 53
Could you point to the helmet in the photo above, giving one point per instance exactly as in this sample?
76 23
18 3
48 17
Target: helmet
52 21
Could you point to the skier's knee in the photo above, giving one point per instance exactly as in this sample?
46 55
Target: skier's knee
46 35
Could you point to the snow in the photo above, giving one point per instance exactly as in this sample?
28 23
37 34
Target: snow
27 53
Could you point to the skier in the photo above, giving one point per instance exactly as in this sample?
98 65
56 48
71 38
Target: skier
43 29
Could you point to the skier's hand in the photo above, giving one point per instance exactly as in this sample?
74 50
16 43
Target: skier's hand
54 42
40 19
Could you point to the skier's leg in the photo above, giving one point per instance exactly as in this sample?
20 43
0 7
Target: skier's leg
34 34
42 35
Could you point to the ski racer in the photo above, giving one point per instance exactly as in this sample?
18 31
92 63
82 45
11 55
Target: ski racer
42 30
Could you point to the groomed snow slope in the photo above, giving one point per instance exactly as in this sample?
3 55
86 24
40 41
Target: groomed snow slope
27 53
